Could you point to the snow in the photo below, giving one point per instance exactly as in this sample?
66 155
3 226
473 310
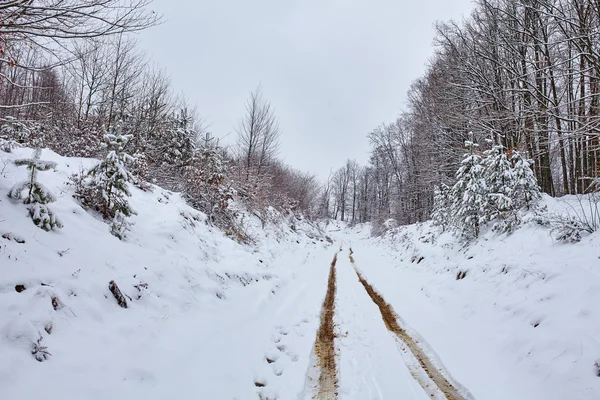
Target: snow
211 318
371 365
522 324
211 312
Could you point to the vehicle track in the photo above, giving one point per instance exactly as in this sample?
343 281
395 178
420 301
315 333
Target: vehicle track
325 343
390 319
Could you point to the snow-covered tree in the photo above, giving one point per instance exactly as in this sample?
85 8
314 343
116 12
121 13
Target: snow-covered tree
104 187
179 139
442 206
36 194
140 169
8 145
258 135
469 194
525 190
499 181
205 177
15 131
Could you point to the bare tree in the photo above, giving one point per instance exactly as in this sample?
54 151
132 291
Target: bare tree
258 135
53 31
42 23
88 73
125 65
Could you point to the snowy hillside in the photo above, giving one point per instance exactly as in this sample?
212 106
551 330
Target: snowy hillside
196 298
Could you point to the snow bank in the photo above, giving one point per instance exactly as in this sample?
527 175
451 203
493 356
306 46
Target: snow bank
187 285
510 316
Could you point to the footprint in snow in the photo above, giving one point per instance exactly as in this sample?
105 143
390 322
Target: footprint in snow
283 348
282 331
271 357
263 392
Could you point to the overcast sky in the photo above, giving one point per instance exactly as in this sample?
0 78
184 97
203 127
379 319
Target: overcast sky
332 69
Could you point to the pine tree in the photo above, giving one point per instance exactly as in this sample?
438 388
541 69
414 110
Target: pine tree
15 132
8 144
37 194
469 194
206 179
525 190
442 207
499 180
104 188
44 217
180 138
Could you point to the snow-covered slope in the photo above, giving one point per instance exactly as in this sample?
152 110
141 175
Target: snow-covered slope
523 323
203 311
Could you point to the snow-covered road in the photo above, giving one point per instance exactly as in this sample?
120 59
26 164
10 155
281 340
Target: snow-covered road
371 364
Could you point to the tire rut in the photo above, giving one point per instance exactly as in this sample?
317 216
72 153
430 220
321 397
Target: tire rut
325 342
390 318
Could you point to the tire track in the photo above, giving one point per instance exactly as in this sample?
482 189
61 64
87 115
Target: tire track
390 319
325 343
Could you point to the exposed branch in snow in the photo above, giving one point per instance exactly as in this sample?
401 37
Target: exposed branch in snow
114 289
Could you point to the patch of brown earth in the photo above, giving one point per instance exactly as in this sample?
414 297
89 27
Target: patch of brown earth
391 322
325 343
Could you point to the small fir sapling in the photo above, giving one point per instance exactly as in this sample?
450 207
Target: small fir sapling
104 187
525 191
442 207
34 193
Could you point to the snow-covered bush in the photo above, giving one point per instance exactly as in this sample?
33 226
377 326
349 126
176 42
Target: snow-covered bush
15 131
140 170
33 192
104 187
580 220
84 141
569 229
40 352
44 217
120 226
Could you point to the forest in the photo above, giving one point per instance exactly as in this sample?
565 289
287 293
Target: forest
524 75
520 77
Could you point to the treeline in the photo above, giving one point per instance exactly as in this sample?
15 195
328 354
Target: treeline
71 73
522 74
